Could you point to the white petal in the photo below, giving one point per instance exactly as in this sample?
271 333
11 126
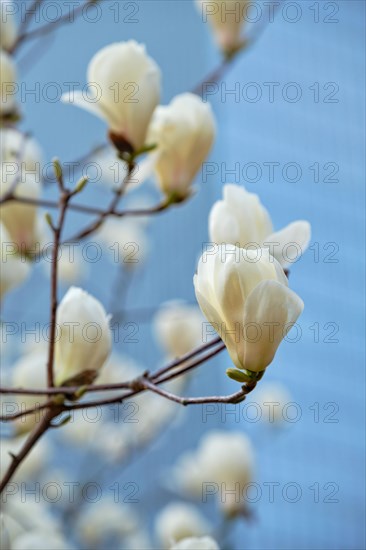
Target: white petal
272 307
223 227
77 98
290 243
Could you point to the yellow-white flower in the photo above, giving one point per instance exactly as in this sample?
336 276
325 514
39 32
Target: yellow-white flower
241 219
8 84
21 163
8 25
178 521
178 328
124 87
184 132
244 294
223 464
226 18
13 269
196 543
83 338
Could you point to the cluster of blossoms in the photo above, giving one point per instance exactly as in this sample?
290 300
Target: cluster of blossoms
241 284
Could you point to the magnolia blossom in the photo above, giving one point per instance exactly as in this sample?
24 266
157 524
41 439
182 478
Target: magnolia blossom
124 87
178 521
84 338
21 162
244 294
223 459
126 240
178 328
184 132
196 543
14 270
40 540
226 18
242 220
8 25
8 85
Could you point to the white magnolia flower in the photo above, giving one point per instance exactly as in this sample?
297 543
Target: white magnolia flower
8 25
226 18
196 543
222 466
178 521
84 337
21 163
184 132
244 294
13 269
8 85
241 219
106 518
272 398
124 87
178 328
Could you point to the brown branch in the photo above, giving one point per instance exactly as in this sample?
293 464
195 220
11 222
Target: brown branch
26 412
43 426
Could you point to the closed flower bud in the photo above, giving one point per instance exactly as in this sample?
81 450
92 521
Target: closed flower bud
242 220
13 269
226 18
126 86
84 338
244 294
196 543
178 521
8 26
8 84
178 328
184 132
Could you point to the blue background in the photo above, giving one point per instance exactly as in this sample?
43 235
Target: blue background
304 132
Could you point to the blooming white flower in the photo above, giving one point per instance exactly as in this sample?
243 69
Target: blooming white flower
244 294
125 85
242 220
196 543
178 328
225 459
226 18
84 337
21 162
184 132
8 85
8 25
178 521
14 270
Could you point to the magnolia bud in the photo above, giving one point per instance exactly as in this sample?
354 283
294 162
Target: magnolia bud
194 543
8 26
241 219
8 85
14 270
178 328
244 294
128 90
226 18
84 338
184 132
178 521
